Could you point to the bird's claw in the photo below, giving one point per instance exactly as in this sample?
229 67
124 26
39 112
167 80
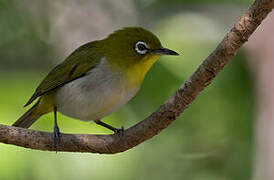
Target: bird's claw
119 131
56 137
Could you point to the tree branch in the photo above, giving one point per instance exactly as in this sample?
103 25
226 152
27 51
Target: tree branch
166 113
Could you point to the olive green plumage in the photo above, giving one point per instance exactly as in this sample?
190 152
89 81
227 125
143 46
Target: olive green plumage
123 55
76 65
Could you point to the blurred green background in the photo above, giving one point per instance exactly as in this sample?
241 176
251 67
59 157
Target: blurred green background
212 140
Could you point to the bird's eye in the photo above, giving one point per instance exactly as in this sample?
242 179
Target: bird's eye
141 47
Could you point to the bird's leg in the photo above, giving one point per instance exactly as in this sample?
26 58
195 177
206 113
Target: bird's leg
115 130
56 131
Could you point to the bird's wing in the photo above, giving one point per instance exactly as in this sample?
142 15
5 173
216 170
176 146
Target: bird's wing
75 66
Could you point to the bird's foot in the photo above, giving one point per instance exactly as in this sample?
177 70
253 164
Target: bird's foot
119 131
56 137
115 130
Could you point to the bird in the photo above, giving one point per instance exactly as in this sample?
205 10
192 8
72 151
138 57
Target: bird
96 79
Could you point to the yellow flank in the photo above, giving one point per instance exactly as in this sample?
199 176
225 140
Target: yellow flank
45 104
136 73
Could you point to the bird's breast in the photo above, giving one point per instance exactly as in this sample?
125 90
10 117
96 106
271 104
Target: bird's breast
95 95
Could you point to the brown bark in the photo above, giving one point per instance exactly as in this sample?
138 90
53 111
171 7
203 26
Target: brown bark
166 113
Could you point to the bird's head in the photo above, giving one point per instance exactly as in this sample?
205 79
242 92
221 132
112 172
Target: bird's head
134 49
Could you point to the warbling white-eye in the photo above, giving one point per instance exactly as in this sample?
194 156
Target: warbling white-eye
97 78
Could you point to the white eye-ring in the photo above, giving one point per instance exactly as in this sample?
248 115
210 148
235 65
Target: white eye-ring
141 47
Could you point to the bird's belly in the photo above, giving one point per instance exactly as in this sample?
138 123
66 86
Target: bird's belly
93 96
90 104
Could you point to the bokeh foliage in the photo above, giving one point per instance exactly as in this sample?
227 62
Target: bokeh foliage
212 140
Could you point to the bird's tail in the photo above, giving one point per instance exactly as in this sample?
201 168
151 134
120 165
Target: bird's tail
30 116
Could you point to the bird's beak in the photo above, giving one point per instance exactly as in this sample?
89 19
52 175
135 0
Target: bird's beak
164 51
